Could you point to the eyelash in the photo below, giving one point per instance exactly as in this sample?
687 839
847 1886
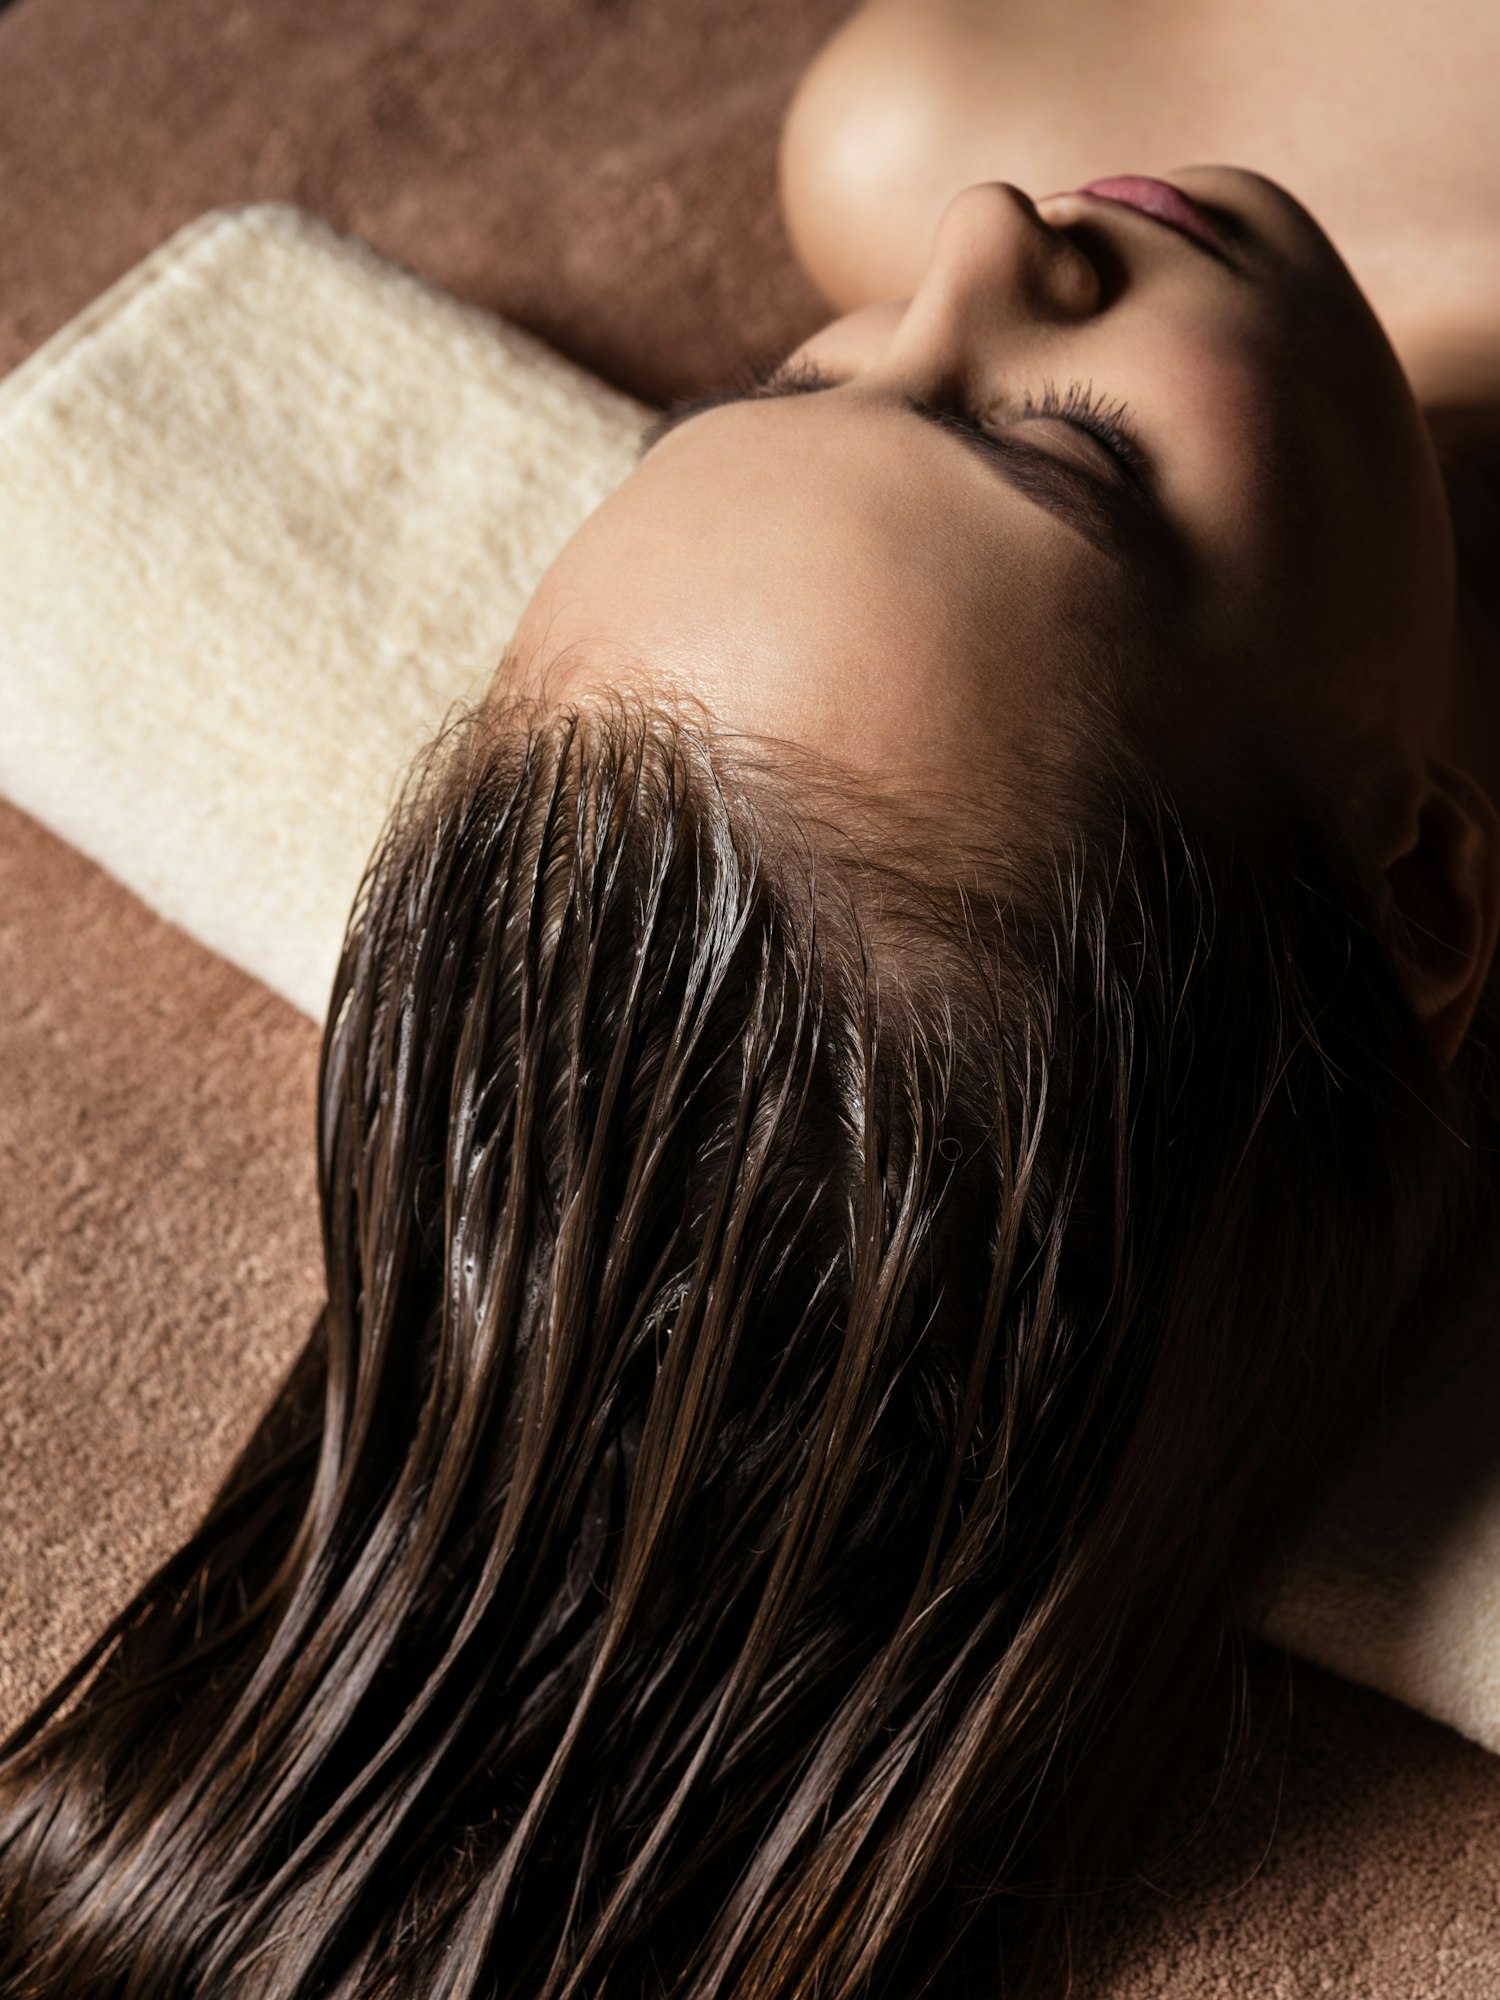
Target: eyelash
1108 423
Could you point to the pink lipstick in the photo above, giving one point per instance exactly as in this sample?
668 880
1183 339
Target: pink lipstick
1161 201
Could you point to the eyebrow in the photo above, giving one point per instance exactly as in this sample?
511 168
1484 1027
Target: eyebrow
1102 514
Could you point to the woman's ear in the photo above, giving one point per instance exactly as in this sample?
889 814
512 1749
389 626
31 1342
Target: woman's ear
1443 903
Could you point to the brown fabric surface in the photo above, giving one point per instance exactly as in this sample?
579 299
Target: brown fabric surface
1358 1857
601 173
159 1256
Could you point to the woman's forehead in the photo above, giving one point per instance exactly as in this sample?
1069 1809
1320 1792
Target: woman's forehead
829 577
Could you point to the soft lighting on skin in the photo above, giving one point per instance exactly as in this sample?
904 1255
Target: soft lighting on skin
828 569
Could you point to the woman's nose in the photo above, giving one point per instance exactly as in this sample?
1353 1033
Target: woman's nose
994 266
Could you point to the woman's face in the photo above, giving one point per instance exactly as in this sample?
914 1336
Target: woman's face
1088 445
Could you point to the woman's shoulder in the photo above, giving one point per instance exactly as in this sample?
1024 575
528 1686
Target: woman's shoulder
1380 123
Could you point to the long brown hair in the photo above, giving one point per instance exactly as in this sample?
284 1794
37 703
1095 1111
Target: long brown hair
815 1353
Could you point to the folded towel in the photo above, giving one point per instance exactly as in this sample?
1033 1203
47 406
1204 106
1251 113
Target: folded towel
268 507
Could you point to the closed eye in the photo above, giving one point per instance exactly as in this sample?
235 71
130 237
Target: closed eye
1107 423
1108 508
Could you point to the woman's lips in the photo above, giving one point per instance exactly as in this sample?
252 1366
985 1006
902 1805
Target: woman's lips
1163 202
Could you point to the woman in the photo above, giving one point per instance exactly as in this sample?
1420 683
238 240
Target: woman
890 1101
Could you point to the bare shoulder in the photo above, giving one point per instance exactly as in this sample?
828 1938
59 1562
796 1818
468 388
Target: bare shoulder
847 134
914 99
867 148
1378 116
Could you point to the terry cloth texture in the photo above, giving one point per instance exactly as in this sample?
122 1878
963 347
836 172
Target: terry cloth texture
268 507
603 174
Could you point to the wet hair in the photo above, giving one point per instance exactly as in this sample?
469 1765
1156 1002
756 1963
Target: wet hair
822 1341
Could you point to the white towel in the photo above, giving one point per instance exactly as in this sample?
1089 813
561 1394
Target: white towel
266 509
